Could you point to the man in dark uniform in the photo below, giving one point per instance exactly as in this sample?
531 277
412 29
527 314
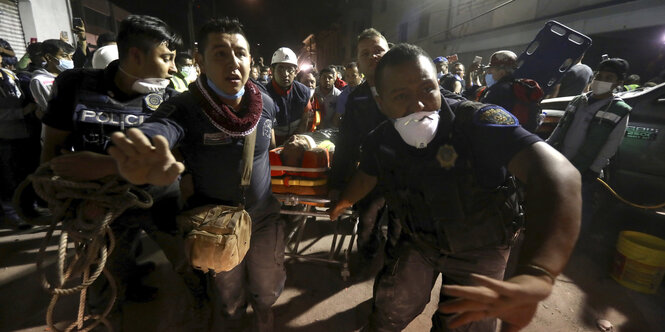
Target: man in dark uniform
291 97
501 90
209 125
442 172
87 106
361 115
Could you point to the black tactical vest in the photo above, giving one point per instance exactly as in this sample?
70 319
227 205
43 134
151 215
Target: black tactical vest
435 193
97 116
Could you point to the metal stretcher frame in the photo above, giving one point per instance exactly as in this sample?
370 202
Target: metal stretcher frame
310 203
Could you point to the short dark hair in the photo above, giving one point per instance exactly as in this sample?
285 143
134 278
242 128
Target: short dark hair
617 66
326 70
218 25
370 33
351 65
35 49
105 38
302 74
52 46
399 54
145 33
181 57
633 79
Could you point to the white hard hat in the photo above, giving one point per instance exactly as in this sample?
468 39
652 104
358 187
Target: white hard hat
104 55
284 55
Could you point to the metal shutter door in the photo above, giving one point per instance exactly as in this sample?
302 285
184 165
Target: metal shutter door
11 29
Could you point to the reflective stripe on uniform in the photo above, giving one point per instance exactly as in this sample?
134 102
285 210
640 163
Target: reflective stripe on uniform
608 116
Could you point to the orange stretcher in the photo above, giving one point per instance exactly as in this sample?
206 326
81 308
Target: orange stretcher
303 192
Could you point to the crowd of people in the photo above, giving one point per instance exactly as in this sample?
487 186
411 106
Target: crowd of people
440 155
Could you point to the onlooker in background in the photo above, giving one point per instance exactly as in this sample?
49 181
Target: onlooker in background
186 72
255 72
591 130
632 82
455 82
106 52
326 96
291 97
82 55
308 78
58 56
265 76
339 82
521 97
17 148
36 61
36 55
9 59
353 77
441 64
575 81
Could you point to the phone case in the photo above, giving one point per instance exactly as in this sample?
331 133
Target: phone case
554 50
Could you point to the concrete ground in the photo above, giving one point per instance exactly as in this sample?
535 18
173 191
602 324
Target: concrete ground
317 299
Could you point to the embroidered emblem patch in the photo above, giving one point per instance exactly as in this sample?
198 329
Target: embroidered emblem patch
447 156
267 129
153 101
495 115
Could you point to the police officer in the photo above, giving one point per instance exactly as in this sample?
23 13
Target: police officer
442 171
292 98
209 124
87 106
361 116
502 86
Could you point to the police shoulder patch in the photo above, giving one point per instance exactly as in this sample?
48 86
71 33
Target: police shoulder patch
153 100
494 115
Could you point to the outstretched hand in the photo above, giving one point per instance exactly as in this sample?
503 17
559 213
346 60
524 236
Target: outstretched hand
141 162
514 301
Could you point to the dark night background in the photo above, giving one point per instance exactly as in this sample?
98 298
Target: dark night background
269 24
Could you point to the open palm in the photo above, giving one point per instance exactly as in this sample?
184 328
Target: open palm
141 162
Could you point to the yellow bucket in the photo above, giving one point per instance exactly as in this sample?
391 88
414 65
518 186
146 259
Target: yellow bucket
639 263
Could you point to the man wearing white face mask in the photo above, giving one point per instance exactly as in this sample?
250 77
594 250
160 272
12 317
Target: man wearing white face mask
591 130
443 166
519 96
87 106
58 56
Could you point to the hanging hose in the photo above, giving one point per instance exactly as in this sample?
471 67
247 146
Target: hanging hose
86 209
639 206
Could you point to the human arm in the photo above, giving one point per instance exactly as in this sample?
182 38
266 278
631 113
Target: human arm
360 185
457 87
553 217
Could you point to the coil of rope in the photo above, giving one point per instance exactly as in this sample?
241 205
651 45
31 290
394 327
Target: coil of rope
86 209
639 206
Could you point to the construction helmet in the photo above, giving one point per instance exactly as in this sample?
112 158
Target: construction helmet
284 55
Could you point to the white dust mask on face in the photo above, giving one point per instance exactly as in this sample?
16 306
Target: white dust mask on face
600 87
418 129
190 73
147 85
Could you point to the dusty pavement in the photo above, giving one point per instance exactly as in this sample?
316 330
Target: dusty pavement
317 299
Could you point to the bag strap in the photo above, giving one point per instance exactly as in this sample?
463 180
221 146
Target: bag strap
248 162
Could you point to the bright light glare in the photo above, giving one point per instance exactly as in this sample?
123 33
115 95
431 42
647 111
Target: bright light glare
306 66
